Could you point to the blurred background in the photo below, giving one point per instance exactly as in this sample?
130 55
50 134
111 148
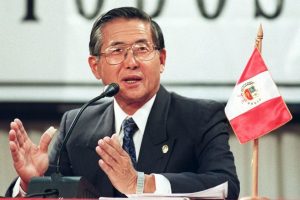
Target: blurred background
44 70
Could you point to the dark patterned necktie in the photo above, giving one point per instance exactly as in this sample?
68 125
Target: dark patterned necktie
129 128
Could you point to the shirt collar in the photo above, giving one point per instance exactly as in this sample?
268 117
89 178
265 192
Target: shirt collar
140 116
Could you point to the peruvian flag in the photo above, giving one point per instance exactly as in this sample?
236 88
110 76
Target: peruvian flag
255 107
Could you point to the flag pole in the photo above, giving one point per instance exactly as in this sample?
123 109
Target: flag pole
258 45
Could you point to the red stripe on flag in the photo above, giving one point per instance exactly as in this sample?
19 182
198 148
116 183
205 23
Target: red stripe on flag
261 120
255 66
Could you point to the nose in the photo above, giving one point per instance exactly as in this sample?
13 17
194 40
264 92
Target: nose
130 60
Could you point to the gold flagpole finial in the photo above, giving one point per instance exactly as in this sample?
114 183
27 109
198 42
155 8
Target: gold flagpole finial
259 37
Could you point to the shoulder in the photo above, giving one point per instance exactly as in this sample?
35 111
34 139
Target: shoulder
91 111
200 107
197 115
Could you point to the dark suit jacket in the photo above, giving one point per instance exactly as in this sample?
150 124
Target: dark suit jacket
196 132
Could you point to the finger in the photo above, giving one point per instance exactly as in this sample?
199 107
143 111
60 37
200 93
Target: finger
98 150
46 139
20 131
17 157
116 143
106 168
115 138
15 128
12 135
118 162
106 157
111 148
13 138
14 152
20 124
118 146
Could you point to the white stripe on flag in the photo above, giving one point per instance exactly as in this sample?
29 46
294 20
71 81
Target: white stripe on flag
266 90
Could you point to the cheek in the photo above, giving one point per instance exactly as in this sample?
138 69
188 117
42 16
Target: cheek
109 74
159 68
99 70
154 74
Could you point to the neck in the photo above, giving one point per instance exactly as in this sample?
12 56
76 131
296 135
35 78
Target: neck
131 107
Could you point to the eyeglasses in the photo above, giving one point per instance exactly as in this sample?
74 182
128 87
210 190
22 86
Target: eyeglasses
142 51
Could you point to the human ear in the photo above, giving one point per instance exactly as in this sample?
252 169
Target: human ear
162 59
95 66
162 68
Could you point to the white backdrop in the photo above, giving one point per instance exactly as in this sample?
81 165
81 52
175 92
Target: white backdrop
46 59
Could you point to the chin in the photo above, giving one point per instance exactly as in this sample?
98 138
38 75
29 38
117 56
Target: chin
137 97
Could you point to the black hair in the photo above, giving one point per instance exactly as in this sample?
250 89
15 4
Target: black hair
126 13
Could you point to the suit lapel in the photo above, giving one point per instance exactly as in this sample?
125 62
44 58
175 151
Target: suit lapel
104 126
156 147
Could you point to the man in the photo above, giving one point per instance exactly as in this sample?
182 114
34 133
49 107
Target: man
179 144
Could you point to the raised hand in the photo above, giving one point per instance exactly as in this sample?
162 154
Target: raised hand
29 159
116 163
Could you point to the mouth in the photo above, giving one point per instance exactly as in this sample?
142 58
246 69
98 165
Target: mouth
132 79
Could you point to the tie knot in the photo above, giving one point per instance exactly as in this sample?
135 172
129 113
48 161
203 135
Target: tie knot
129 127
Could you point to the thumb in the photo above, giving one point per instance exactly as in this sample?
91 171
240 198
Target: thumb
46 138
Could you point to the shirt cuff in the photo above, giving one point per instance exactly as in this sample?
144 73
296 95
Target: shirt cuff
17 190
162 184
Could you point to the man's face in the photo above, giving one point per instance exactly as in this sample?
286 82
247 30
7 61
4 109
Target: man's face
138 80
